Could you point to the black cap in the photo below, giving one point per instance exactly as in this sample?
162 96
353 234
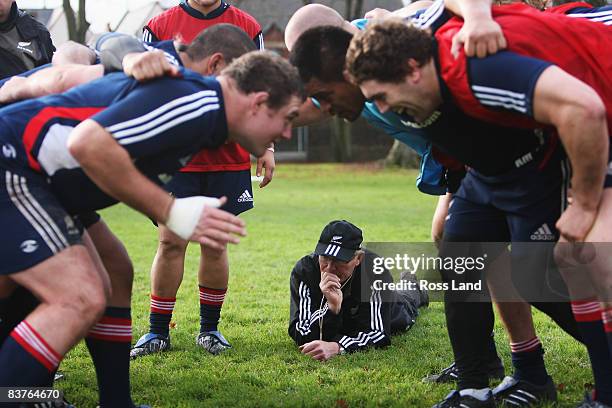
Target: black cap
340 240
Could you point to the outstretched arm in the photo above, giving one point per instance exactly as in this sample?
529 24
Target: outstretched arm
480 35
52 80
579 115
404 12
194 218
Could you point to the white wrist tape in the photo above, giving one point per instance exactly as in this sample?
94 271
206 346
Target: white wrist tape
185 214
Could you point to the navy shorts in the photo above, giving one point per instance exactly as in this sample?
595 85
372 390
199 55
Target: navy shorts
520 206
35 225
235 185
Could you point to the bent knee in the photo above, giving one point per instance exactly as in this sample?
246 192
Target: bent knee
172 247
88 297
213 254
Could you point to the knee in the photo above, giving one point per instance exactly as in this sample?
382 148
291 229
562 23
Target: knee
213 254
87 300
171 247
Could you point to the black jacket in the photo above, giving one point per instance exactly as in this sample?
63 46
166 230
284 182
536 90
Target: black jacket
360 323
29 30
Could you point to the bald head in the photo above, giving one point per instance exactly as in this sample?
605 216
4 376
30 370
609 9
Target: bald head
310 16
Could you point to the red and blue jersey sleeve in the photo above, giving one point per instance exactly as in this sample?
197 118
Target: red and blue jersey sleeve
505 81
168 114
595 14
432 17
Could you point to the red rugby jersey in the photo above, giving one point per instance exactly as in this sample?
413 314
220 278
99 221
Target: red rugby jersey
567 7
582 51
184 23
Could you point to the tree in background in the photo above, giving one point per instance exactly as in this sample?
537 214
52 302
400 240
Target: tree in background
341 130
77 24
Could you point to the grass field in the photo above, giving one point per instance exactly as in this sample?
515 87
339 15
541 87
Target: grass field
264 368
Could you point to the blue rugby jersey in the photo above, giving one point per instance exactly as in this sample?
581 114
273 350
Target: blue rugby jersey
160 124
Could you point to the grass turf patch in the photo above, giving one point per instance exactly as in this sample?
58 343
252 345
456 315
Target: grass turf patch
264 367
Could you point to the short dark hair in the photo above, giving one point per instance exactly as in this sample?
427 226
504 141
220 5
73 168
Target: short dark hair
227 39
380 51
320 52
265 71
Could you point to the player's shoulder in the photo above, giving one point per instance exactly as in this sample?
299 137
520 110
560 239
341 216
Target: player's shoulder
306 267
110 87
191 81
30 22
247 21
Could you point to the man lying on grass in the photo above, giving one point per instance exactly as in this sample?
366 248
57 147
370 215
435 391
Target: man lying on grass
335 308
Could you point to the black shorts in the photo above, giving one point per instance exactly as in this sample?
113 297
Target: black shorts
87 219
235 185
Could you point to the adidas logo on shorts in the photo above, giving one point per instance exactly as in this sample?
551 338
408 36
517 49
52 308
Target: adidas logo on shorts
543 234
245 197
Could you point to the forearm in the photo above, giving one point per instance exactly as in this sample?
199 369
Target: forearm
437 222
301 336
51 81
362 340
579 116
66 77
116 175
586 140
470 9
410 9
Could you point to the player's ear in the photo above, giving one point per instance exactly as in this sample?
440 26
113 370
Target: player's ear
415 70
360 256
216 63
259 100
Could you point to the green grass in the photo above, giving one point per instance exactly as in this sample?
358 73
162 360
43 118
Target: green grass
264 368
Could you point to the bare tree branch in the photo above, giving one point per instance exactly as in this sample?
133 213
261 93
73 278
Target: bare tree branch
77 24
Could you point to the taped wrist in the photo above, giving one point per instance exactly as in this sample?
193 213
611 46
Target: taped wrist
185 214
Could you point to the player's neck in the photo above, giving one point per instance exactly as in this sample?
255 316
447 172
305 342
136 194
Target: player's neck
432 93
204 9
233 104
